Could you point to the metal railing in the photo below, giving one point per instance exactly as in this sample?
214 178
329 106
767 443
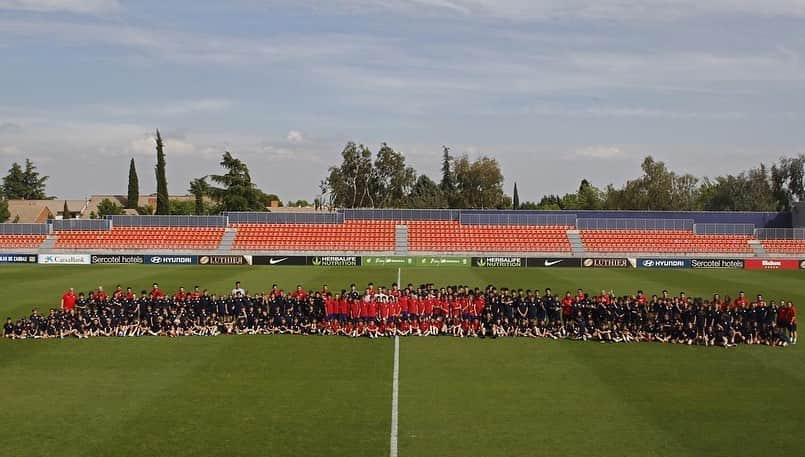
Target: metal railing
634 224
81 224
284 218
724 229
168 221
24 229
518 219
780 233
402 214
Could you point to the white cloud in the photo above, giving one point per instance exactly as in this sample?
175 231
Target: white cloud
71 6
9 150
601 152
295 137
618 10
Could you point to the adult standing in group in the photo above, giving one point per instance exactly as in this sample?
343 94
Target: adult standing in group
68 300
238 290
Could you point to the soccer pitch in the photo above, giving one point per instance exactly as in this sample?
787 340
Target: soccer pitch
299 396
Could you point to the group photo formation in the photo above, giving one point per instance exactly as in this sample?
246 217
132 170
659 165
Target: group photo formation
457 311
402 228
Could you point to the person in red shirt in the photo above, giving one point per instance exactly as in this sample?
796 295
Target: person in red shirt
68 300
402 304
427 309
567 307
343 308
100 295
372 331
792 322
354 309
118 294
385 309
129 294
156 293
741 301
180 296
299 293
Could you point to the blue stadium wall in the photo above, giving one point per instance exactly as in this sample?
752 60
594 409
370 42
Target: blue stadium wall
760 220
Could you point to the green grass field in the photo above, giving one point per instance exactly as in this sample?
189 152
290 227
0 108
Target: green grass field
299 396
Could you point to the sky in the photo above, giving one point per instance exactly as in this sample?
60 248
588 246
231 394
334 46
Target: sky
555 90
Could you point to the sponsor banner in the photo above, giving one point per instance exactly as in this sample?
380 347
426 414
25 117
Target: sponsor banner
118 259
594 262
442 261
64 259
553 262
171 259
279 260
771 264
802 264
17 258
737 264
335 261
398 261
498 262
225 260
389 261
663 263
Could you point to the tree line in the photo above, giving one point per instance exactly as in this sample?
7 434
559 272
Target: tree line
383 179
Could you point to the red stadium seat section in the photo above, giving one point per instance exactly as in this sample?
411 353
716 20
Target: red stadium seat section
354 235
451 236
21 241
784 246
188 238
663 241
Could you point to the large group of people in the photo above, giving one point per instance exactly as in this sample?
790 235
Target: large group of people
457 311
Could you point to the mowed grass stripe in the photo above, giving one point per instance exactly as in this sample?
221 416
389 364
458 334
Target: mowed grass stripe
197 396
536 397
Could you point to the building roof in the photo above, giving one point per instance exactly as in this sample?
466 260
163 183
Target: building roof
30 211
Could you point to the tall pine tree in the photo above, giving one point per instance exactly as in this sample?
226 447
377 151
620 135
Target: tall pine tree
163 202
515 198
134 187
447 184
66 212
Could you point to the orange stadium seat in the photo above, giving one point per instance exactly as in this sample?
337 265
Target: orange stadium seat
21 241
356 235
451 236
189 238
784 246
663 241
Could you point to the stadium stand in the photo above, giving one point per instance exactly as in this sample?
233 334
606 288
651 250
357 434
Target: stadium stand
451 236
663 241
21 241
185 238
784 246
356 235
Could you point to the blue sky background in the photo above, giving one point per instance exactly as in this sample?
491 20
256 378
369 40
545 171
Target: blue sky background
555 90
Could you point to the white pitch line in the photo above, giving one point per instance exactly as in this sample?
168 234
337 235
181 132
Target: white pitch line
395 390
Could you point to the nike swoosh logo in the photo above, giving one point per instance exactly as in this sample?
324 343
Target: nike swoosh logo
276 261
549 264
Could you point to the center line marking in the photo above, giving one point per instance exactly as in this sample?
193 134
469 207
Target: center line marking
395 390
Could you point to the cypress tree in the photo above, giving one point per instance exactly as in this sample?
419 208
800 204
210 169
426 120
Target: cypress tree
66 212
163 202
134 187
515 198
